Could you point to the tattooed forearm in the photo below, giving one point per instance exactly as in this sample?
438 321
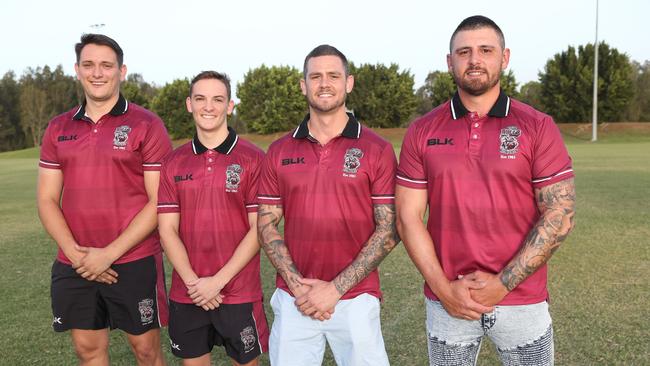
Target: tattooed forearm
381 242
268 219
556 203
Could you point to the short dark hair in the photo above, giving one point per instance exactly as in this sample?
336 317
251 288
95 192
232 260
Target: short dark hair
101 40
211 75
325 50
477 22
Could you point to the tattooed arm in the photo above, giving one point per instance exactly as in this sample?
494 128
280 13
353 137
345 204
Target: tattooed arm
324 295
556 203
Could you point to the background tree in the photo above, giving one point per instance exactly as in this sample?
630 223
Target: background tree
169 104
11 132
438 87
382 95
270 99
135 89
567 84
509 84
639 106
530 93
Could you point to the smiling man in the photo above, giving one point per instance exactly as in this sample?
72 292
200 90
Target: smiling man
106 155
207 210
498 183
331 180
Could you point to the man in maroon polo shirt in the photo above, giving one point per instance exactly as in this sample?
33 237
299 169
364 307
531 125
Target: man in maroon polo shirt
106 155
207 213
498 182
331 180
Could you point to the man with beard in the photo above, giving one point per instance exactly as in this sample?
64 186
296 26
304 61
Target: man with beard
498 182
332 179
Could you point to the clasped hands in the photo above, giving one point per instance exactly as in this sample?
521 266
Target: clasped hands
472 295
316 298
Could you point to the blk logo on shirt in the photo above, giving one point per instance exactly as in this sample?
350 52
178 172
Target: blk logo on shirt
289 161
66 138
439 141
181 178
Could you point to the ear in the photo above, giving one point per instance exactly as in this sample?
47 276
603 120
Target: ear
506 59
349 84
449 68
76 70
231 106
188 104
303 86
122 72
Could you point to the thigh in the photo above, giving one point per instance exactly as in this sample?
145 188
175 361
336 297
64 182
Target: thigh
133 302
451 341
354 332
295 339
191 333
240 330
75 301
523 334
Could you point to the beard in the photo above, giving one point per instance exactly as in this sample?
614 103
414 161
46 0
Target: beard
325 107
476 87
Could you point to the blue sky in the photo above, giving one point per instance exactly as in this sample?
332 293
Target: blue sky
165 40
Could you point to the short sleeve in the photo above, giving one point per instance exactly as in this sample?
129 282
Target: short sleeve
551 160
168 201
156 146
268 191
410 172
252 202
383 185
49 158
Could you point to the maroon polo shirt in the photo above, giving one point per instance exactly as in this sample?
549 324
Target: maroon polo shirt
213 190
103 167
327 194
480 174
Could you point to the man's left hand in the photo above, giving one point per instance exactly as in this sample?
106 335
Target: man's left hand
493 292
94 263
321 298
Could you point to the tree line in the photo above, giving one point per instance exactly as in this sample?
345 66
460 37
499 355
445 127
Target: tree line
270 99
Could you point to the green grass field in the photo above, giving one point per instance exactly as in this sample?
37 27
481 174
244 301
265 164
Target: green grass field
598 280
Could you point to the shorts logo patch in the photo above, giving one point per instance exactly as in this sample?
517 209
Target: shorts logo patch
174 345
509 141
120 136
233 177
146 311
57 320
248 338
352 162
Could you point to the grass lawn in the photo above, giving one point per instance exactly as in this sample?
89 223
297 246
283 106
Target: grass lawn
599 289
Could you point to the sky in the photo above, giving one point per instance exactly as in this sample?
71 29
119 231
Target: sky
166 40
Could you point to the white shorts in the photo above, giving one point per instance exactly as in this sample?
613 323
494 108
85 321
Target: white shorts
353 333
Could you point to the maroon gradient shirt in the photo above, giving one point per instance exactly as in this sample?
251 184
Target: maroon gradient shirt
327 194
213 190
480 175
103 167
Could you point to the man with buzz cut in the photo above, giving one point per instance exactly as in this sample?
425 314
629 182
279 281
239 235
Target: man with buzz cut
332 180
498 183
106 155
207 213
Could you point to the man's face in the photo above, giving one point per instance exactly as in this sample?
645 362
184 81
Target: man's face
99 73
209 104
326 85
477 60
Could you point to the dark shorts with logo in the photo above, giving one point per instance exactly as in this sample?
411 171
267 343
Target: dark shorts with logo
240 328
135 304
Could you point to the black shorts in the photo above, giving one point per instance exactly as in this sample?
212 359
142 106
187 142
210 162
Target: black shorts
135 304
240 328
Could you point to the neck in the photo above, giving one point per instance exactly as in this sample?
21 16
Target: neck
326 126
97 109
480 104
212 139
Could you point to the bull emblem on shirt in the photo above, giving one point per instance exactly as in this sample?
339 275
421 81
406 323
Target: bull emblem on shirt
248 338
120 136
352 160
146 311
233 177
508 138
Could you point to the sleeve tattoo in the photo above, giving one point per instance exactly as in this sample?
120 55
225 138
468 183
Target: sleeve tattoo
556 202
381 242
268 219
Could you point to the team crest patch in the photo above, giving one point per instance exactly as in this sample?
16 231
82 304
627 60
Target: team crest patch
509 142
248 338
352 162
120 137
233 177
146 311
